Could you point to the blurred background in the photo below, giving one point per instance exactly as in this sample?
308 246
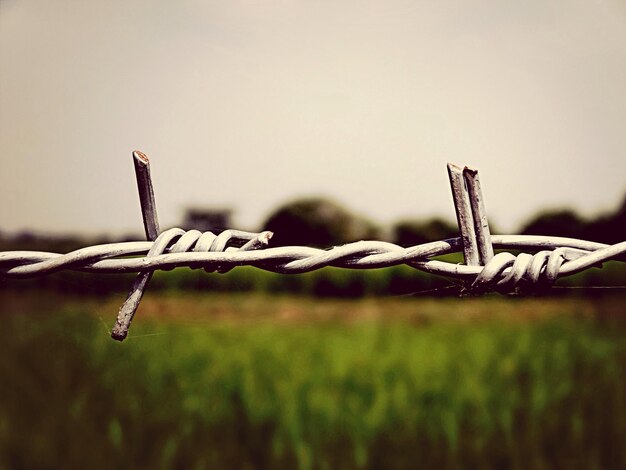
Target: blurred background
325 122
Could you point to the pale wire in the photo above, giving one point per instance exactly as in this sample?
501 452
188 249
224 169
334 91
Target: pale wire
541 261
554 257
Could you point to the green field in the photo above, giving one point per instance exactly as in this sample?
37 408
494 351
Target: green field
254 381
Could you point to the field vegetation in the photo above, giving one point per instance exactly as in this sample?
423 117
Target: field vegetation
258 381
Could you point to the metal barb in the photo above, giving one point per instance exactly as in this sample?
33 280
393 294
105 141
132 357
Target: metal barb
146 195
464 216
479 215
151 225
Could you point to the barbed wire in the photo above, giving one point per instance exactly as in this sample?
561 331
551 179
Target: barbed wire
552 257
540 260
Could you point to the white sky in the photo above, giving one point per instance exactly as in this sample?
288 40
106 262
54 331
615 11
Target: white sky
250 104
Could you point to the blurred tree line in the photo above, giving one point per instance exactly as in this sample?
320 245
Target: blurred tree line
605 228
323 223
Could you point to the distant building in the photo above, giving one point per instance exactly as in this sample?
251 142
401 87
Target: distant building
207 219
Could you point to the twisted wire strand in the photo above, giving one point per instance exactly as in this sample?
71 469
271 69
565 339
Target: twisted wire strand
180 242
552 257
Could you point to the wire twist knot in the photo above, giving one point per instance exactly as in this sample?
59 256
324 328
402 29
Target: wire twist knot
176 240
523 273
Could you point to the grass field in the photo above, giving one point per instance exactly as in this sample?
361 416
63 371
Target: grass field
254 381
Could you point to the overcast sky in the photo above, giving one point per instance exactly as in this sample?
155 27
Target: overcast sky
249 104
